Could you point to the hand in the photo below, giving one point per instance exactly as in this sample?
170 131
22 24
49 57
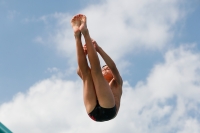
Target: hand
85 49
96 46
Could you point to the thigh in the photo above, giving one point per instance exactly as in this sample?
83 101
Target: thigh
103 91
89 93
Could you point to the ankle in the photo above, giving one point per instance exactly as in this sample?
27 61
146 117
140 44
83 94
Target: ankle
77 35
85 32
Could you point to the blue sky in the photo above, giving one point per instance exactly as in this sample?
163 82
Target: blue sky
155 45
23 61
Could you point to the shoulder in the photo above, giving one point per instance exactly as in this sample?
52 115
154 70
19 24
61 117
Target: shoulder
117 81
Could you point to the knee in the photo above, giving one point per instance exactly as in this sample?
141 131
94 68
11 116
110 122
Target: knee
83 72
78 71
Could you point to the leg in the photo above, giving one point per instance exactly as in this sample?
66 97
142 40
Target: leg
102 88
89 94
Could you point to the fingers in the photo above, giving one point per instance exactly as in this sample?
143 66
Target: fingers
95 43
84 46
85 49
96 46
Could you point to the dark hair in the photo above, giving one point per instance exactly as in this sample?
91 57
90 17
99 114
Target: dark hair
104 66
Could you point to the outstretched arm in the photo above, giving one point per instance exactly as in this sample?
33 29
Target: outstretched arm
109 62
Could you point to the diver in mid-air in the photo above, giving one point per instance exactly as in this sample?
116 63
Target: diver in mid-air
102 87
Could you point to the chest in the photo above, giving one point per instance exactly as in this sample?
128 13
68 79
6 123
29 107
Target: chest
116 88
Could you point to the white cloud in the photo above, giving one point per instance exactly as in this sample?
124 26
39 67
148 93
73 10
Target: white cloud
51 105
168 101
191 126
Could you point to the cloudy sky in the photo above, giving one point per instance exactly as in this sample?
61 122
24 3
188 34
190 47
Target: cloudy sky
155 44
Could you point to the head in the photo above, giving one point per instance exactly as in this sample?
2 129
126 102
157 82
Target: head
107 73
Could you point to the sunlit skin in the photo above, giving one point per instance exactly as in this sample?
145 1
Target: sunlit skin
99 84
107 73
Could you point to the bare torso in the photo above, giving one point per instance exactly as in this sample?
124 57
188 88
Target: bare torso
117 92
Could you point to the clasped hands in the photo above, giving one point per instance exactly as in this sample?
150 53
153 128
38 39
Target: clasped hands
96 46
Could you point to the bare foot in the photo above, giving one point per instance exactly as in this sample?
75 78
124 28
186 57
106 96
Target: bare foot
75 22
83 26
78 23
